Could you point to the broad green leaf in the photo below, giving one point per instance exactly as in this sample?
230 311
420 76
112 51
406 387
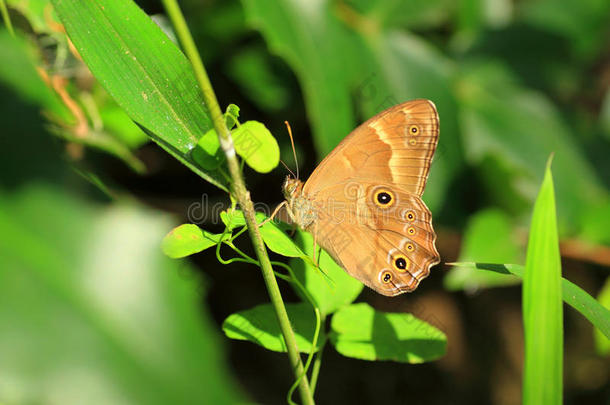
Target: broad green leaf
520 128
268 90
121 126
401 13
583 22
255 144
488 237
572 295
316 46
207 154
542 305
259 325
596 223
234 218
602 342
277 241
188 239
90 308
143 70
330 286
361 332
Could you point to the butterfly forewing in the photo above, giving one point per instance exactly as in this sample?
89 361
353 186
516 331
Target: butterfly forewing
395 146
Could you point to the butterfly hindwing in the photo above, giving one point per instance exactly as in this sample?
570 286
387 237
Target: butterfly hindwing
388 247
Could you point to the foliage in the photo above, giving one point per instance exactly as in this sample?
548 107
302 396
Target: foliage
513 83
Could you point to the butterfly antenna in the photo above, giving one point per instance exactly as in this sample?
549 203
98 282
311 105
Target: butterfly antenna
287 168
294 151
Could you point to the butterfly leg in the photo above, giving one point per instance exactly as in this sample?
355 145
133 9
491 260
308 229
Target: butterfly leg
315 245
277 209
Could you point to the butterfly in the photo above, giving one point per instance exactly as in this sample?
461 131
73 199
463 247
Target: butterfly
363 202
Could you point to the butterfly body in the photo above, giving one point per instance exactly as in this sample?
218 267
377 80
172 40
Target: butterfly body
363 202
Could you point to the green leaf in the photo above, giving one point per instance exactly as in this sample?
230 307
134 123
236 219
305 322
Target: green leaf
268 90
252 140
405 14
602 342
234 218
488 237
232 115
90 306
572 295
520 128
144 71
583 22
314 44
121 126
207 154
361 332
330 286
255 144
277 241
259 325
187 239
542 305
604 115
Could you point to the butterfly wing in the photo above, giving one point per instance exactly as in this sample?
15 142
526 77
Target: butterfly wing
395 146
390 249
367 199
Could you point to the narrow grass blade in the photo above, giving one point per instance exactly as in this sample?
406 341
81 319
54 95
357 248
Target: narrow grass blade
542 304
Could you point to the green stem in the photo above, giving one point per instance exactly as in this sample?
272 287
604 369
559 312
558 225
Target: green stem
6 17
240 192
315 372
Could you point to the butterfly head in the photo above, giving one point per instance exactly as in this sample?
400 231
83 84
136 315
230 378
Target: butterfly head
292 188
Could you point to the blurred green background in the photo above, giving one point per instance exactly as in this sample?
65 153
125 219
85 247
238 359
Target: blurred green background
91 311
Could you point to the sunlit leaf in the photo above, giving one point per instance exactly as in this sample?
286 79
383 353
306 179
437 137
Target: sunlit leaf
144 71
602 342
329 285
257 146
362 332
542 304
188 239
90 308
259 325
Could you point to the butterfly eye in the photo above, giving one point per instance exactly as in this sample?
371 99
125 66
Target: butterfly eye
413 130
384 198
410 247
386 277
411 230
401 263
410 216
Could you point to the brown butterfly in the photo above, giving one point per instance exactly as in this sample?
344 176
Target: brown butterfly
363 202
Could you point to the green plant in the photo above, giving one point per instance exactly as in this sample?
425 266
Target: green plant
170 98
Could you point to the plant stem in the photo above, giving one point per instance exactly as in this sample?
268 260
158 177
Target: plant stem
6 17
239 191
